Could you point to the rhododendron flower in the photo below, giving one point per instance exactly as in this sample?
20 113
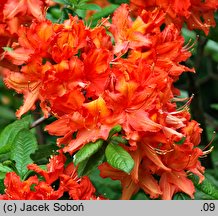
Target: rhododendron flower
128 34
68 75
92 124
170 161
14 14
33 8
35 188
139 178
118 73
30 189
196 14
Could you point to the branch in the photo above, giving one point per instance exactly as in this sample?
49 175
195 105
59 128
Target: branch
39 121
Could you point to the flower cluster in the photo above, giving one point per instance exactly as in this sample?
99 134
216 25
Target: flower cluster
13 14
58 175
197 14
118 73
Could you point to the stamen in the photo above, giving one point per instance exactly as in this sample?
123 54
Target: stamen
205 153
189 46
186 106
160 151
213 137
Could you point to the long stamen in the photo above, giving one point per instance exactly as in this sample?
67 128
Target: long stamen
213 137
160 151
186 106
205 153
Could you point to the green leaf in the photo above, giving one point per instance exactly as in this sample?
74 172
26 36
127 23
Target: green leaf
118 139
181 141
118 158
60 1
6 113
8 135
4 157
103 13
89 7
55 12
3 170
114 130
87 151
43 153
87 166
106 187
181 196
119 1
8 49
214 106
25 144
141 195
2 186
206 187
11 165
211 49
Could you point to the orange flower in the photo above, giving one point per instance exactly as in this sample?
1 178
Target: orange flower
15 189
33 8
30 189
54 169
139 178
28 83
71 70
33 188
173 182
91 124
70 37
14 14
128 34
54 74
196 14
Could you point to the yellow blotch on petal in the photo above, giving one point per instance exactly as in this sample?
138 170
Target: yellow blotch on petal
98 107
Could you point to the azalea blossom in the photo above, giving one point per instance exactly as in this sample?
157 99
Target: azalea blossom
34 188
119 73
196 14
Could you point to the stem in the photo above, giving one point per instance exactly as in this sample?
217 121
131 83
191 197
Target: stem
38 122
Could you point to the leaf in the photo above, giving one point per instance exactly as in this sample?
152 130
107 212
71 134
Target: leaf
4 170
89 7
214 106
103 13
118 158
181 196
55 12
2 186
107 187
114 130
8 49
24 145
87 151
43 153
118 139
60 1
8 135
6 113
206 187
141 195
211 49
4 157
87 166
